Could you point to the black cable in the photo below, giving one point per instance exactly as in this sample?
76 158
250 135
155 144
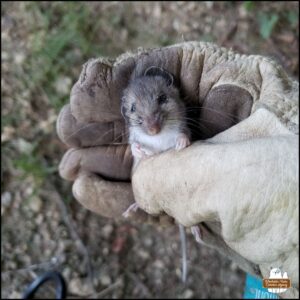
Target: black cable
60 289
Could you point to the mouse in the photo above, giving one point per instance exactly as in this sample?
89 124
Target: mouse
155 115
156 119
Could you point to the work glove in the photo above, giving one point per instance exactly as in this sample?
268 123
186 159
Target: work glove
238 182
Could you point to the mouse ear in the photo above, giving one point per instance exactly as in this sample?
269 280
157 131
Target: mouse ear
157 71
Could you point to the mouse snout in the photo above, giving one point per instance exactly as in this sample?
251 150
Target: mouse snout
153 125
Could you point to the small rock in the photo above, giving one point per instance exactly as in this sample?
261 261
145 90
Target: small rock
148 242
233 266
143 254
66 273
54 260
159 264
188 294
19 58
226 290
15 295
6 199
77 287
178 272
107 230
39 219
63 85
35 204
23 146
105 280
12 265
4 55
7 133
105 251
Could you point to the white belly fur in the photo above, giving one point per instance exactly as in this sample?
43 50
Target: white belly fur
163 141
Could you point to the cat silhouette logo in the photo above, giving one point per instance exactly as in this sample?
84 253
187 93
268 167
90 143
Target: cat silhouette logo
277 282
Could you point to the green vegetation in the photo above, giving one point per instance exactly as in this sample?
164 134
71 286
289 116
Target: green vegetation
65 30
268 18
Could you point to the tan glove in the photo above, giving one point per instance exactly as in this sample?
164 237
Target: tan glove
228 87
99 159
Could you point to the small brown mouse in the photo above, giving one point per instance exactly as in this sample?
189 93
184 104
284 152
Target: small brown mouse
156 120
155 114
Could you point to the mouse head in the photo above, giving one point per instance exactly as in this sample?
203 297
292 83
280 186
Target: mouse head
152 101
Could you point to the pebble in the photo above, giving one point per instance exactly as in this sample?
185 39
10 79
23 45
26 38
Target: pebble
107 230
35 204
159 264
233 266
143 254
105 251
66 273
148 242
19 58
105 280
23 146
188 294
63 85
6 199
77 287
15 295
39 219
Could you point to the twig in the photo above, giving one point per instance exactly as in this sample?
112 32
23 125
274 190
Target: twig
106 290
32 267
51 192
230 34
97 295
143 287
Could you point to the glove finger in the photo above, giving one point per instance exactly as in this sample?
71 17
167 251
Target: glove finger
79 134
96 96
111 199
111 162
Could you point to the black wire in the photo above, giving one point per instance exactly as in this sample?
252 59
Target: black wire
60 289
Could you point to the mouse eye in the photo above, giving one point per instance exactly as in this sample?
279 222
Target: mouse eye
162 98
133 107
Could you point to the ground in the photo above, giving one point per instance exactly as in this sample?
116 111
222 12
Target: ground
43 227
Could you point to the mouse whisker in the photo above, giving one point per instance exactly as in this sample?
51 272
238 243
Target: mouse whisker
192 123
77 131
101 137
227 115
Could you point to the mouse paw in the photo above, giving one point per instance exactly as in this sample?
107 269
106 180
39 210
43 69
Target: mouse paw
182 142
197 234
133 207
139 152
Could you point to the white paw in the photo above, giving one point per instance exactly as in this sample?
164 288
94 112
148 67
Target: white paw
133 207
182 142
197 234
139 152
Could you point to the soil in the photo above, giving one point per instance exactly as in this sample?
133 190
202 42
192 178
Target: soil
43 226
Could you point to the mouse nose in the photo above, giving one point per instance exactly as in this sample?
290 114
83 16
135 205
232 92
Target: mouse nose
153 126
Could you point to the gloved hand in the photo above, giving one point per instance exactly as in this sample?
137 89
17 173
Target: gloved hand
237 183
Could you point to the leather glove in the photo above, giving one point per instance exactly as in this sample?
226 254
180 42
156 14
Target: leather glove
217 181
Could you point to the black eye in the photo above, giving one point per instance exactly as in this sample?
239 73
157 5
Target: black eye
133 107
162 99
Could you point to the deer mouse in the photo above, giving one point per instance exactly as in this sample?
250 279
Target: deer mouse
156 120
155 114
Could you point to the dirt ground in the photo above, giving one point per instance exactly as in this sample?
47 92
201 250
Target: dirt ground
43 227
